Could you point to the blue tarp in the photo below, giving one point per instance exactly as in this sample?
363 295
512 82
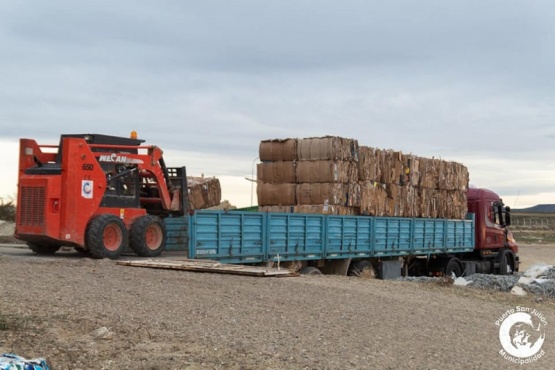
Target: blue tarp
9 361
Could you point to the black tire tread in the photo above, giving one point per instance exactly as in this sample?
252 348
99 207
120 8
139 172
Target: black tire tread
137 237
43 249
94 240
358 268
453 264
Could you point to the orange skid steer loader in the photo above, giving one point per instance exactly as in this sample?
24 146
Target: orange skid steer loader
98 194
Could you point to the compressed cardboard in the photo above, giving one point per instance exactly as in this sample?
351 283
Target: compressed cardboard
336 172
368 164
326 171
276 194
204 192
278 150
327 148
323 193
373 199
280 172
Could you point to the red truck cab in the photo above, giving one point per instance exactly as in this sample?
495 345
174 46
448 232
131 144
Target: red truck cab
493 239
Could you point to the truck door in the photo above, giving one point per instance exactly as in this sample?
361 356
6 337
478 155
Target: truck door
495 231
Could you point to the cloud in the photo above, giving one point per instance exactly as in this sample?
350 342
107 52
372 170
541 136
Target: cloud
208 80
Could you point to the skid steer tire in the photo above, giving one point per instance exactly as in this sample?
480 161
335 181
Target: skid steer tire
43 249
148 236
106 237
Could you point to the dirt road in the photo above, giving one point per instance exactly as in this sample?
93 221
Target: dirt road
160 319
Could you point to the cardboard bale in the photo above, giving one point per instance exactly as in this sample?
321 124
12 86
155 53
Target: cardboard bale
204 192
391 166
368 164
428 173
411 170
354 195
442 175
327 171
373 199
322 193
460 177
411 200
398 168
328 193
276 194
280 172
278 150
327 148
452 204
428 203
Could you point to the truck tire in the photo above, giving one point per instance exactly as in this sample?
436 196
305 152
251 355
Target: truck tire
43 249
148 236
362 269
311 271
506 265
106 237
453 267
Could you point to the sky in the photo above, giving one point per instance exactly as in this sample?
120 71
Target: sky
467 81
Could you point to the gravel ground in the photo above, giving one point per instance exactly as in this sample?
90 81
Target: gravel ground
55 307
163 319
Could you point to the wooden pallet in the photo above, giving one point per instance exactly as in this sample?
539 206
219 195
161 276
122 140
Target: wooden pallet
210 266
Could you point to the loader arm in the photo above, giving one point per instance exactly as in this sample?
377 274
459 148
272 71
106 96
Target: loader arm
150 164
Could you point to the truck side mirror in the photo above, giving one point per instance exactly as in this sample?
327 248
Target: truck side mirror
508 217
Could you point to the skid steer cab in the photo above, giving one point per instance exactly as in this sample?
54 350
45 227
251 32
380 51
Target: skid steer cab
97 193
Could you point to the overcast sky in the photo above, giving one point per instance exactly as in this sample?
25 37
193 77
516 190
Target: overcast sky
469 81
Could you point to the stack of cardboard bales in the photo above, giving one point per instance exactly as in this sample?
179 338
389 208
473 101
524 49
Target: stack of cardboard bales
401 185
204 192
334 175
313 175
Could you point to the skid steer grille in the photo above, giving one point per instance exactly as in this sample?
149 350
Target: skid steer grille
31 207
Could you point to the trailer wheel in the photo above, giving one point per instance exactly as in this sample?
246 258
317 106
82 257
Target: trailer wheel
311 271
362 269
43 249
148 236
453 267
106 237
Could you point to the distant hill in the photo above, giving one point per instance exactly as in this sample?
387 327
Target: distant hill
540 208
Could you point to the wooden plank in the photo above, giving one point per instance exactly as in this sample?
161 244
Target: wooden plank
209 266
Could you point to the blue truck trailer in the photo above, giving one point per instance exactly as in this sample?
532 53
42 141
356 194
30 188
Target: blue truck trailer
318 241
101 194
385 246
